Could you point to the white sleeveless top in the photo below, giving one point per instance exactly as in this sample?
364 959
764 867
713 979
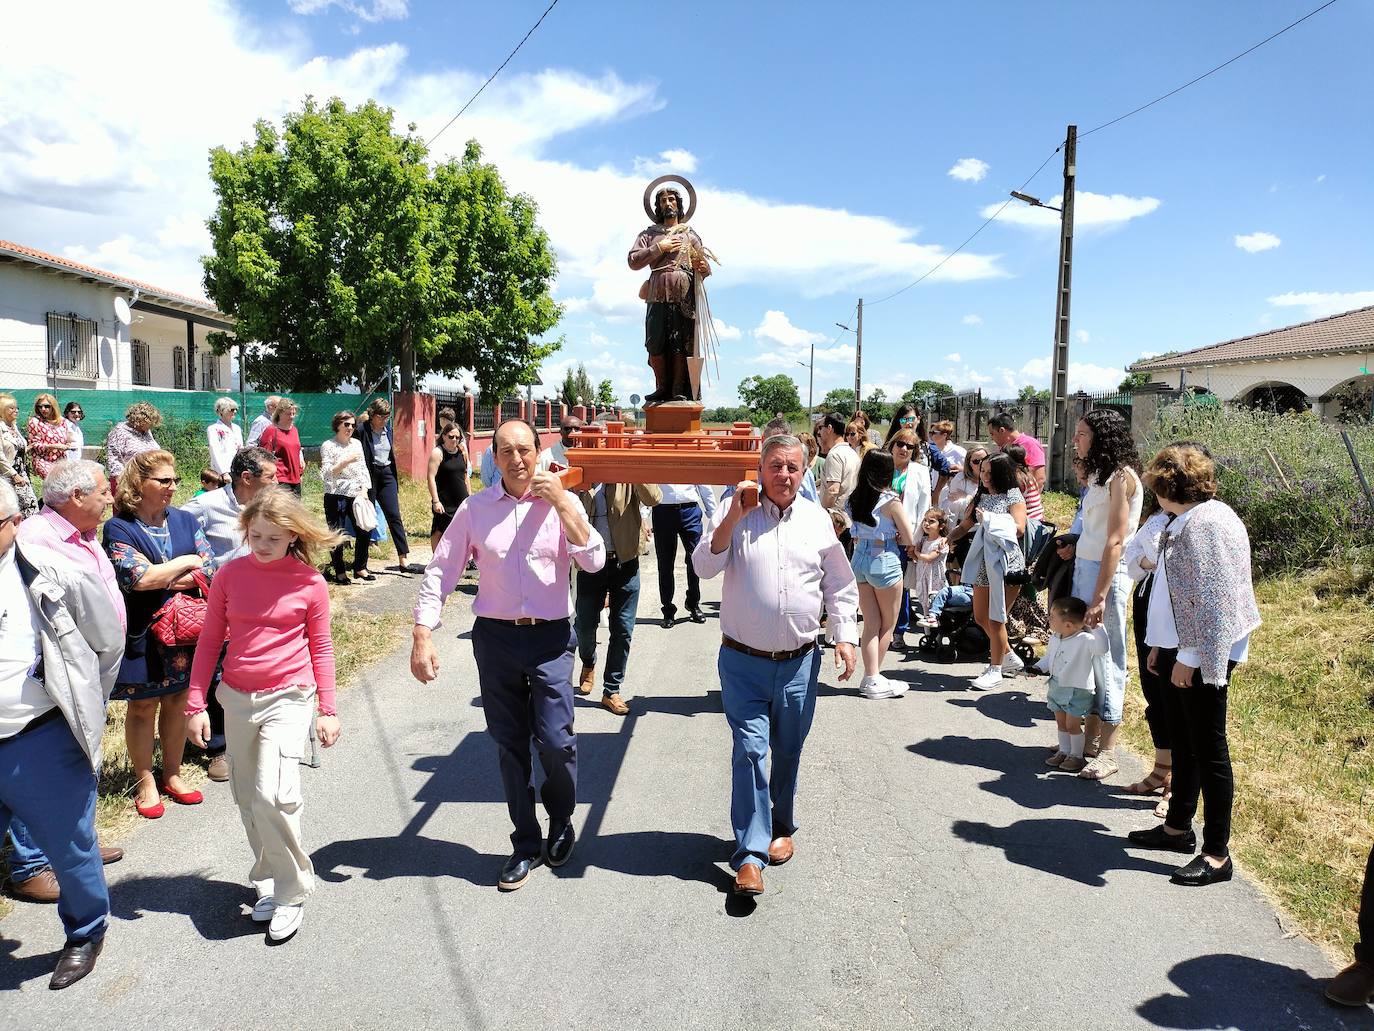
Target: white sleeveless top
1097 506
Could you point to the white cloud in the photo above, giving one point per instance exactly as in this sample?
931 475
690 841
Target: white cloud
1083 336
1256 242
1000 381
969 170
725 331
378 10
1321 304
786 344
1320 179
684 162
972 320
1090 211
954 356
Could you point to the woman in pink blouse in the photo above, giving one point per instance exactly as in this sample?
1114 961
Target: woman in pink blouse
48 435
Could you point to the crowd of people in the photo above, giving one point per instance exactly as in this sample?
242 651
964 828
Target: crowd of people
845 534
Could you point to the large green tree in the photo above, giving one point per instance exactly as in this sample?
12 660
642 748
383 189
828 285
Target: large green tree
767 396
876 406
840 400
926 388
605 394
340 253
577 387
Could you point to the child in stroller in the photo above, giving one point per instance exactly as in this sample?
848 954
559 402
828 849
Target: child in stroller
949 631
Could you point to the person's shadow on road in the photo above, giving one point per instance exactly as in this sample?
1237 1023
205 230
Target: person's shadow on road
406 855
1078 850
15 972
1014 708
213 906
1247 994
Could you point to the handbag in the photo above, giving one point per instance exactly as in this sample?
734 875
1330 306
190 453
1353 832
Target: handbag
364 514
180 619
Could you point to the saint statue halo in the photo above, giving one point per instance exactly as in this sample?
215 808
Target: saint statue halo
650 190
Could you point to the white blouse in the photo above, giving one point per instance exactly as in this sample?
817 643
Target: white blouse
352 479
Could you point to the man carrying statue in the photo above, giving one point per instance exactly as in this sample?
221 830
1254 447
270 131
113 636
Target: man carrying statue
677 263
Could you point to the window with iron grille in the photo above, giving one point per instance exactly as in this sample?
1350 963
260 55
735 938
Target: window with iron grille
179 368
209 371
73 347
143 363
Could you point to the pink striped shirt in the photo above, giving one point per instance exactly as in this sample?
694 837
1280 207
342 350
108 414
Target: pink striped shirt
50 531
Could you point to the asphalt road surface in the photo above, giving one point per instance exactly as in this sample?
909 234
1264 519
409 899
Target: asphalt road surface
943 878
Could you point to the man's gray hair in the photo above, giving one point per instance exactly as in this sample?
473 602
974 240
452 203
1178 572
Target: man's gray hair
776 426
67 477
9 501
780 440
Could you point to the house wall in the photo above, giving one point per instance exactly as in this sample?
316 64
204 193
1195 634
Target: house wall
1316 377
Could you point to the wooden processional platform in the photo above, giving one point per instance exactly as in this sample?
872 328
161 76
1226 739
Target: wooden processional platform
672 449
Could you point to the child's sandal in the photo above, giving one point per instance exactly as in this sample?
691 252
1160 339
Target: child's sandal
1158 780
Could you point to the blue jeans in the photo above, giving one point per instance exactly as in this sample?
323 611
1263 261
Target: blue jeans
26 858
769 706
620 580
47 782
1109 671
956 593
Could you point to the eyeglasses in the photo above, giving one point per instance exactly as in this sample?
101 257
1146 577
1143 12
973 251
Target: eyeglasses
901 443
44 404
975 461
77 412
345 425
166 481
907 420
17 517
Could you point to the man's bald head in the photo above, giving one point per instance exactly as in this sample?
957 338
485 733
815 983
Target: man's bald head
516 444
515 426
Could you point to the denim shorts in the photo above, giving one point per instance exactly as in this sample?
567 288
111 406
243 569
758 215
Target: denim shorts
1075 701
876 563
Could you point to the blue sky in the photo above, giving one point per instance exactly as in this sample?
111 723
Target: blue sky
821 138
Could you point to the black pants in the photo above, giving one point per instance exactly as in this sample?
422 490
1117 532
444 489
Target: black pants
336 507
1364 948
673 523
1152 685
384 493
1202 758
667 330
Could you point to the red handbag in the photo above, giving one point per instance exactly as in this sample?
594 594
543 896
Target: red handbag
182 616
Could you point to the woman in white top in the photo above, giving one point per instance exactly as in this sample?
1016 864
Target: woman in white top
72 416
1111 514
345 478
225 437
908 456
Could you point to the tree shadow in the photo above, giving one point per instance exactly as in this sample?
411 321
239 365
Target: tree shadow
1077 850
211 905
1023 777
1247 994
1014 708
15 972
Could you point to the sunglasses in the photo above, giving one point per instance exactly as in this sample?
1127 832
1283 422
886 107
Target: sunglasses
166 481
45 405
907 420
975 461
77 412
344 425
901 443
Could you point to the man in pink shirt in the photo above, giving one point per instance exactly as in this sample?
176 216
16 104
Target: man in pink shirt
523 532
1002 430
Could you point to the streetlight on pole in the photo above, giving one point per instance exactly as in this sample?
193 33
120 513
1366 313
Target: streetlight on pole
1059 375
858 350
810 390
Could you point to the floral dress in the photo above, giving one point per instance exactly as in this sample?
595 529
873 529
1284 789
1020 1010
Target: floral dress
47 444
122 443
19 466
995 504
930 576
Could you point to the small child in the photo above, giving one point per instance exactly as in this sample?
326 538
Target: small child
1072 687
953 591
209 480
928 571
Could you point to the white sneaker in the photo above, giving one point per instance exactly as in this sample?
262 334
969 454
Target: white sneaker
263 909
876 687
1011 663
286 921
991 677
897 687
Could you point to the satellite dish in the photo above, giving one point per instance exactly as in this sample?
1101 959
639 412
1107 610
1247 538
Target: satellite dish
634 399
121 311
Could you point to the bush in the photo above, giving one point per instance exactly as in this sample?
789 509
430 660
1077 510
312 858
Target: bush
1289 477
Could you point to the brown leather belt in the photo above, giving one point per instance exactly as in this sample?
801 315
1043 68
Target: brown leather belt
733 645
520 620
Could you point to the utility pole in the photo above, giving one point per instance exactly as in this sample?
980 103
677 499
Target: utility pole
858 355
1059 377
811 384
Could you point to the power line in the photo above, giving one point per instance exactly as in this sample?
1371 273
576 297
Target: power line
430 141
1191 82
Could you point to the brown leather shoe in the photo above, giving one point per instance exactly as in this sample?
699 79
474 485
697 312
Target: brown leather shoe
587 680
749 880
1353 986
219 769
110 854
615 704
75 963
779 851
41 887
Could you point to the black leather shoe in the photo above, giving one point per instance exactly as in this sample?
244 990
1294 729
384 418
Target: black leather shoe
75 963
559 847
1158 837
697 615
667 622
1200 872
515 873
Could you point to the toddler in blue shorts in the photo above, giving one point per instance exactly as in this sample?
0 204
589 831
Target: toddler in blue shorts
1072 688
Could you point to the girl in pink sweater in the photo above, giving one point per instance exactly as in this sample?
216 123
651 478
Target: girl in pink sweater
278 675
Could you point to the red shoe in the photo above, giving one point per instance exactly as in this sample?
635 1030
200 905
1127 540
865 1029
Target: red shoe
182 797
150 812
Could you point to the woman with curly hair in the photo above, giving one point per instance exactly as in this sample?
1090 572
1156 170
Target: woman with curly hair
1111 514
131 437
48 435
14 463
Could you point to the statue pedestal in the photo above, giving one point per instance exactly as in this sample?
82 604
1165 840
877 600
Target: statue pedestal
673 417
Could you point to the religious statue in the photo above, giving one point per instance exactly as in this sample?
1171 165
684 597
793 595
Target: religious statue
678 332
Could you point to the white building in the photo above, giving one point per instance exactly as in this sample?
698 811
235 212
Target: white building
1323 366
58 329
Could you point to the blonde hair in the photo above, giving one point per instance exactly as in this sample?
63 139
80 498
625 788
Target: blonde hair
864 445
143 410
1182 474
54 413
136 472
284 406
943 426
281 508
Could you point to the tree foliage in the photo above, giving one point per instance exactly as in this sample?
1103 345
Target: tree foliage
1133 381
876 406
768 396
923 389
1029 394
840 400
577 387
605 394
336 248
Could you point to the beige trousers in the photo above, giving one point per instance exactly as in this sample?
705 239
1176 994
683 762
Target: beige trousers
265 734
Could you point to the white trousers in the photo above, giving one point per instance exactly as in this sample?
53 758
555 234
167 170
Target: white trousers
265 735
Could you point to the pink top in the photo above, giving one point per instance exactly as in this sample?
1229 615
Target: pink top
47 444
49 531
277 617
522 556
1035 452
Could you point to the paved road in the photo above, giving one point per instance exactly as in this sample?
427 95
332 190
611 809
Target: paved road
943 879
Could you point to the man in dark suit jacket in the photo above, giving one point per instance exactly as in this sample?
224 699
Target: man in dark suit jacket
379 454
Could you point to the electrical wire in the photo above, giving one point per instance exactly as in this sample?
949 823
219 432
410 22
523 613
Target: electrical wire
493 75
1191 82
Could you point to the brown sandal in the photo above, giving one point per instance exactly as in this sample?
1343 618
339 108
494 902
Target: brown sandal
1162 809
1158 780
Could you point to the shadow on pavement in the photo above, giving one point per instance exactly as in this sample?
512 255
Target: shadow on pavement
408 855
684 855
14 972
211 905
1014 708
1077 850
928 681
1249 995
